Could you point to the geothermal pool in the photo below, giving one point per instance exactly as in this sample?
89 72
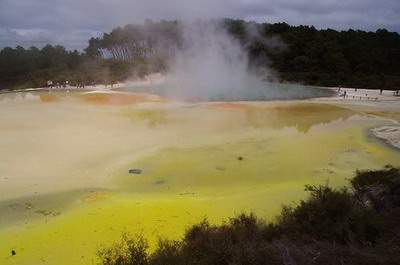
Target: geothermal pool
66 190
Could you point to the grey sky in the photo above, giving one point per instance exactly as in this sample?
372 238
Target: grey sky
73 22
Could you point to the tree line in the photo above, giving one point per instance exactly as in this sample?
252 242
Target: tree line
304 54
351 58
25 68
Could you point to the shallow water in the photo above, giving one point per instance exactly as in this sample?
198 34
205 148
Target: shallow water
65 188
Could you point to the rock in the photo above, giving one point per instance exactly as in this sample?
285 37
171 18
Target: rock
43 212
220 168
240 158
13 253
135 171
159 182
388 134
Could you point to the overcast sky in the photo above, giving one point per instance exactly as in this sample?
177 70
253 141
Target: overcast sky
72 22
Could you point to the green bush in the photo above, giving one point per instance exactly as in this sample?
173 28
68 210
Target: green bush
130 250
332 215
388 177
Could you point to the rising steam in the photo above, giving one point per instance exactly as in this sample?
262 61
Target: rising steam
211 64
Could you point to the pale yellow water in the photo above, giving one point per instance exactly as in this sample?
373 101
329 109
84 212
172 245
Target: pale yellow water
65 189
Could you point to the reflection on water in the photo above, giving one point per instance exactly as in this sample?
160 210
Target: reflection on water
65 185
301 116
267 91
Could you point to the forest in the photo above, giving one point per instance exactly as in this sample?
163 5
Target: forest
301 54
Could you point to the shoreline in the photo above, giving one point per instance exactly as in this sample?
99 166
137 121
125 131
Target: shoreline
352 94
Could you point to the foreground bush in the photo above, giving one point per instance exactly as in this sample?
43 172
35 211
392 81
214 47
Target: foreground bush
333 226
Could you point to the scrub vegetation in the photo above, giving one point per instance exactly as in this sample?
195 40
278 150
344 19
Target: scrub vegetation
355 225
326 57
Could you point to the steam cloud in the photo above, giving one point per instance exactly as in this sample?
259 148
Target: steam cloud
210 65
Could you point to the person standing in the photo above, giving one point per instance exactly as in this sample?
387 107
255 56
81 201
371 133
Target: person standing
49 83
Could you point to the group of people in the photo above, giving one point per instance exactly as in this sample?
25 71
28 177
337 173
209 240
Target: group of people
345 95
395 92
64 84
77 84
50 84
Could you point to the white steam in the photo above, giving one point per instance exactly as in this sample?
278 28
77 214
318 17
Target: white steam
211 64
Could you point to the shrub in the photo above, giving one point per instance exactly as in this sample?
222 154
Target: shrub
129 251
379 188
332 215
389 177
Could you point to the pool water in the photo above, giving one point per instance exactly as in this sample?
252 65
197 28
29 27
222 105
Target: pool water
66 190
